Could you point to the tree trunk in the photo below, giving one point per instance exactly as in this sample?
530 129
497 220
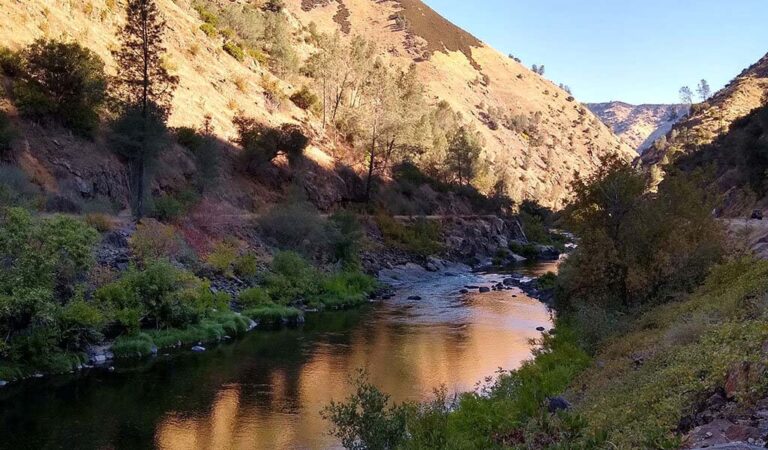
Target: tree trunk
371 161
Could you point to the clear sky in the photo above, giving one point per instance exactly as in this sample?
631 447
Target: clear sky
638 51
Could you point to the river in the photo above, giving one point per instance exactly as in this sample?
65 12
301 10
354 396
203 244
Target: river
265 391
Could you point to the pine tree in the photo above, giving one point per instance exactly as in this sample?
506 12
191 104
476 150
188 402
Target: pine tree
704 90
686 95
144 90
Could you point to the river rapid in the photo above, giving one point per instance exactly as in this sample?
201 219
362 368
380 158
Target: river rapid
265 391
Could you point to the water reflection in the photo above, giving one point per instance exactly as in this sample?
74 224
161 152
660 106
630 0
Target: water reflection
266 391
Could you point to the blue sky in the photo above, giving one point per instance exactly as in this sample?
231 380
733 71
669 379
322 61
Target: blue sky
638 51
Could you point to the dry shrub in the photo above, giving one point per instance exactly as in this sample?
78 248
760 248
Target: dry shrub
153 240
100 221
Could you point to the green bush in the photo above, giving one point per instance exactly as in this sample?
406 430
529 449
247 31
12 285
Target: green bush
132 346
65 81
209 30
527 250
11 62
41 312
162 295
296 226
261 143
153 240
206 151
221 258
421 237
253 297
304 98
367 418
246 265
346 289
234 50
167 208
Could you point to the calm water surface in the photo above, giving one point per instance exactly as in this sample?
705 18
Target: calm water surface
266 390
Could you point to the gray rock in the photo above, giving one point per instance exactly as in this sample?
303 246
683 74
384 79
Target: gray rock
198 348
464 291
3 383
542 329
485 289
414 297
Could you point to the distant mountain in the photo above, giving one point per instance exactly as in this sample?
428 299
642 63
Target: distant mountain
714 117
638 125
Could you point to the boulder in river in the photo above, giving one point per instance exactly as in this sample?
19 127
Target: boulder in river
464 291
542 329
3 383
414 297
485 289
198 348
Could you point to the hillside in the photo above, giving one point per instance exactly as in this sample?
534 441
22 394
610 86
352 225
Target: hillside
638 125
536 136
712 118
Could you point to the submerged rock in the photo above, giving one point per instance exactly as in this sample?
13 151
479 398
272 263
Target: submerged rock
414 297
484 289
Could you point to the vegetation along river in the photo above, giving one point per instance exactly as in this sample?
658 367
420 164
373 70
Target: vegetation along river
266 390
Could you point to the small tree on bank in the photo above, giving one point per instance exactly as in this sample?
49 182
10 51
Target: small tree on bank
464 155
144 90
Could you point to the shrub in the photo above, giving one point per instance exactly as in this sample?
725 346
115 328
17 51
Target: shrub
366 419
209 30
65 81
261 143
246 265
167 208
253 297
346 289
222 257
206 15
421 237
206 151
11 62
15 187
80 325
292 279
133 346
100 222
234 50
258 56
304 98
295 226
153 240
42 260
526 250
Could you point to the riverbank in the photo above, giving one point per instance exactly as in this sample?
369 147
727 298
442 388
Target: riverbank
237 394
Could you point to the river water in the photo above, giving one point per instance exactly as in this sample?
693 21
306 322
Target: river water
265 391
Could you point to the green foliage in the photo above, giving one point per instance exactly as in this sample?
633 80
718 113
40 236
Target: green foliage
254 297
246 265
209 30
15 187
527 250
153 240
687 348
463 154
261 143
304 98
345 289
296 226
65 81
637 247
221 258
274 315
367 419
422 237
43 258
160 296
234 50
171 207
7 134
11 62
206 150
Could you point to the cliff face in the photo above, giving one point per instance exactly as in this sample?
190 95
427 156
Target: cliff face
639 125
536 135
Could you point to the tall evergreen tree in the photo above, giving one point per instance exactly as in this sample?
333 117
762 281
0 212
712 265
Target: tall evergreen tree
686 95
704 90
144 89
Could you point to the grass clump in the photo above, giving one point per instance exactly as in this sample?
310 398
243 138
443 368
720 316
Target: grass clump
273 315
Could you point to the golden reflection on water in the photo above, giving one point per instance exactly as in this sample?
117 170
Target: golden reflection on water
405 360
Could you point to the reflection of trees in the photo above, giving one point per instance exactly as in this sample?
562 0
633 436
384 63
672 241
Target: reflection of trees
266 390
